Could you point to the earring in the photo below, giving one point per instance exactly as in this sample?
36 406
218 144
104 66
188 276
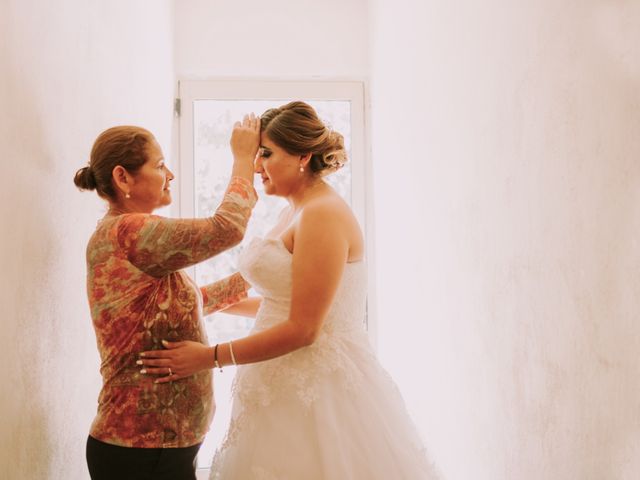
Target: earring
301 169
127 195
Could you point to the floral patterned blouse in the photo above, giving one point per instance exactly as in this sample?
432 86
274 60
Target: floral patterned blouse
139 296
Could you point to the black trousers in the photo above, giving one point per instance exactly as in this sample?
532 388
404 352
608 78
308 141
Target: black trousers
111 462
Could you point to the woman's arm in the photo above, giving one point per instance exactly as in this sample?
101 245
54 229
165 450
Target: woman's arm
320 252
159 245
244 308
223 294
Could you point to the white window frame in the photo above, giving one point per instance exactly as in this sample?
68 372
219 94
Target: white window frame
226 89
191 90
353 91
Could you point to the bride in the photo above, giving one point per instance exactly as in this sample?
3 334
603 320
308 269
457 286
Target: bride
310 400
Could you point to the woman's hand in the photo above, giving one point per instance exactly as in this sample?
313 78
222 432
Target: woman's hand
179 360
245 140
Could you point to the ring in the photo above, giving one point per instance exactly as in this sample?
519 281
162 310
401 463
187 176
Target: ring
170 372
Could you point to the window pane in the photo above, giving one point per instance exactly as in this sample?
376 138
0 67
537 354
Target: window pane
213 122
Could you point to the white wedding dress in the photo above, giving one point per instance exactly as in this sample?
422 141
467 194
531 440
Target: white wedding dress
324 412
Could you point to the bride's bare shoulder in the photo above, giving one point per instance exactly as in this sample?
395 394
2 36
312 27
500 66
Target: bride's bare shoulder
327 205
329 211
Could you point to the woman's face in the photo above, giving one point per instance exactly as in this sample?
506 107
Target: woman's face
151 187
279 170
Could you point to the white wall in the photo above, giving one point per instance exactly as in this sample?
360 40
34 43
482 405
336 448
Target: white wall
69 70
279 38
506 148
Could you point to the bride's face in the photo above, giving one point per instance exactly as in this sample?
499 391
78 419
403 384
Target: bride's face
279 170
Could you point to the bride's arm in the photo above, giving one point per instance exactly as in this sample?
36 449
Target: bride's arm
320 252
244 308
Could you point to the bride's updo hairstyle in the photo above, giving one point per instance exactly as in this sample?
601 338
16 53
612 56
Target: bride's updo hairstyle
296 128
125 146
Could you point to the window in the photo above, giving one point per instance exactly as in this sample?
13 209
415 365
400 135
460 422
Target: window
208 111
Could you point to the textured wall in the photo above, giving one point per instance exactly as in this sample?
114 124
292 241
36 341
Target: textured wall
506 170
279 38
507 188
69 70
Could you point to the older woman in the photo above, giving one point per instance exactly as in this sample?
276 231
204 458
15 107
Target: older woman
139 297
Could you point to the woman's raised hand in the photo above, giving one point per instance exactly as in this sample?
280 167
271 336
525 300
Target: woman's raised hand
245 141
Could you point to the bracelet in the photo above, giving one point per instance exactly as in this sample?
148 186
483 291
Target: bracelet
233 358
216 364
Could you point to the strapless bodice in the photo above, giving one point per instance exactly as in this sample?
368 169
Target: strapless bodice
267 265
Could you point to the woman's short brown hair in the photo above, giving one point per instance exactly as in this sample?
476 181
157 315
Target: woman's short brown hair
125 146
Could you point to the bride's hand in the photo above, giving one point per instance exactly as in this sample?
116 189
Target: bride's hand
179 360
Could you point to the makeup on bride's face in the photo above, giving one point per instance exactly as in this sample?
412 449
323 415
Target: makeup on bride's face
277 168
263 154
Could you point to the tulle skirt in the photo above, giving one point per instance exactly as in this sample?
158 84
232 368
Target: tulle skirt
320 414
